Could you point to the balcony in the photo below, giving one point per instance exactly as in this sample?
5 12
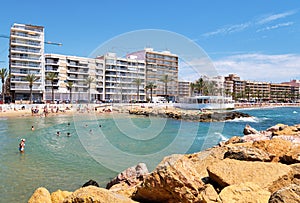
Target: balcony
22 50
22 79
19 35
25 58
25 43
25 72
26 65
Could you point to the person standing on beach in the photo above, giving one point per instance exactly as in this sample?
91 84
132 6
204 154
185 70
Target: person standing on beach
22 145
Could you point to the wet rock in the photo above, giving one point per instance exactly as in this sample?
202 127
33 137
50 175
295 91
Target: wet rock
174 180
289 194
269 176
247 154
91 182
244 192
40 195
130 176
92 194
58 196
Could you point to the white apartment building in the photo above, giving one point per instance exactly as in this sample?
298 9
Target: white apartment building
124 78
158 65
76 70
26 56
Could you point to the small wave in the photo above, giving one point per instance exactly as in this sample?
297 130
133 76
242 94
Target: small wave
247 119
223 138
295 112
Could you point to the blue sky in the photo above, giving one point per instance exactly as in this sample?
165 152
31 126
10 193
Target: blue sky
259 40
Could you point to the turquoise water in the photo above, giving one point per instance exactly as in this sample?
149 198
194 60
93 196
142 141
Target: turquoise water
99 152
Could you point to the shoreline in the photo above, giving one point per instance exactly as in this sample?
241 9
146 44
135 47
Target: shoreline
13 112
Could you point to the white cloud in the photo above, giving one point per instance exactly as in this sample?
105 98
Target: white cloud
261 67
277 16
228 29
275 26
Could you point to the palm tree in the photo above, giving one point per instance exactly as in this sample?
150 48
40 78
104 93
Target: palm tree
247 91
165 79
150 86
70 86
138 82
89 80
51 77
192 88
31 78
3 75
199 86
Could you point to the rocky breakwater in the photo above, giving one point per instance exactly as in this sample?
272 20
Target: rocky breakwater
261 166
192 115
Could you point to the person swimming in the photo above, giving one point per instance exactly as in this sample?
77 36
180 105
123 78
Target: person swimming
58 133
22 145
68 135
32 128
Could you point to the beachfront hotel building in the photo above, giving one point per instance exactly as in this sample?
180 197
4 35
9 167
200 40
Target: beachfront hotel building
244 90
159 66
184 89
75 70
26 56
124 79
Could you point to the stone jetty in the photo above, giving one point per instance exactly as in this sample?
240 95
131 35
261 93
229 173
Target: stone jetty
191 115
261 166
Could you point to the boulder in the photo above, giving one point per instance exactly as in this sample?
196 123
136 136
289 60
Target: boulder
91 182
58 196
124 189
269 176
131 176
276 148
175 179
289 194
233 140
209 194
40 195
296 173
276 128
92 194
247 154
244 192
248 130
292 156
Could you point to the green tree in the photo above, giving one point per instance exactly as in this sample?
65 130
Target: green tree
138 82
3 75
51 76
199 86
247 91
70 86
88 81
150 87
192 88
31 78
165 79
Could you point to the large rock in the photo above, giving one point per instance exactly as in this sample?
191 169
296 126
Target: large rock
276 148
175 179
248 130
296 173
124 189
244 192
131 176
90 182
209 194
40 195
290 194
292 156
92 194
58 196
247 154
270 176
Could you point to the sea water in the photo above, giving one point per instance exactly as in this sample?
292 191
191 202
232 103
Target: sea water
100 146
